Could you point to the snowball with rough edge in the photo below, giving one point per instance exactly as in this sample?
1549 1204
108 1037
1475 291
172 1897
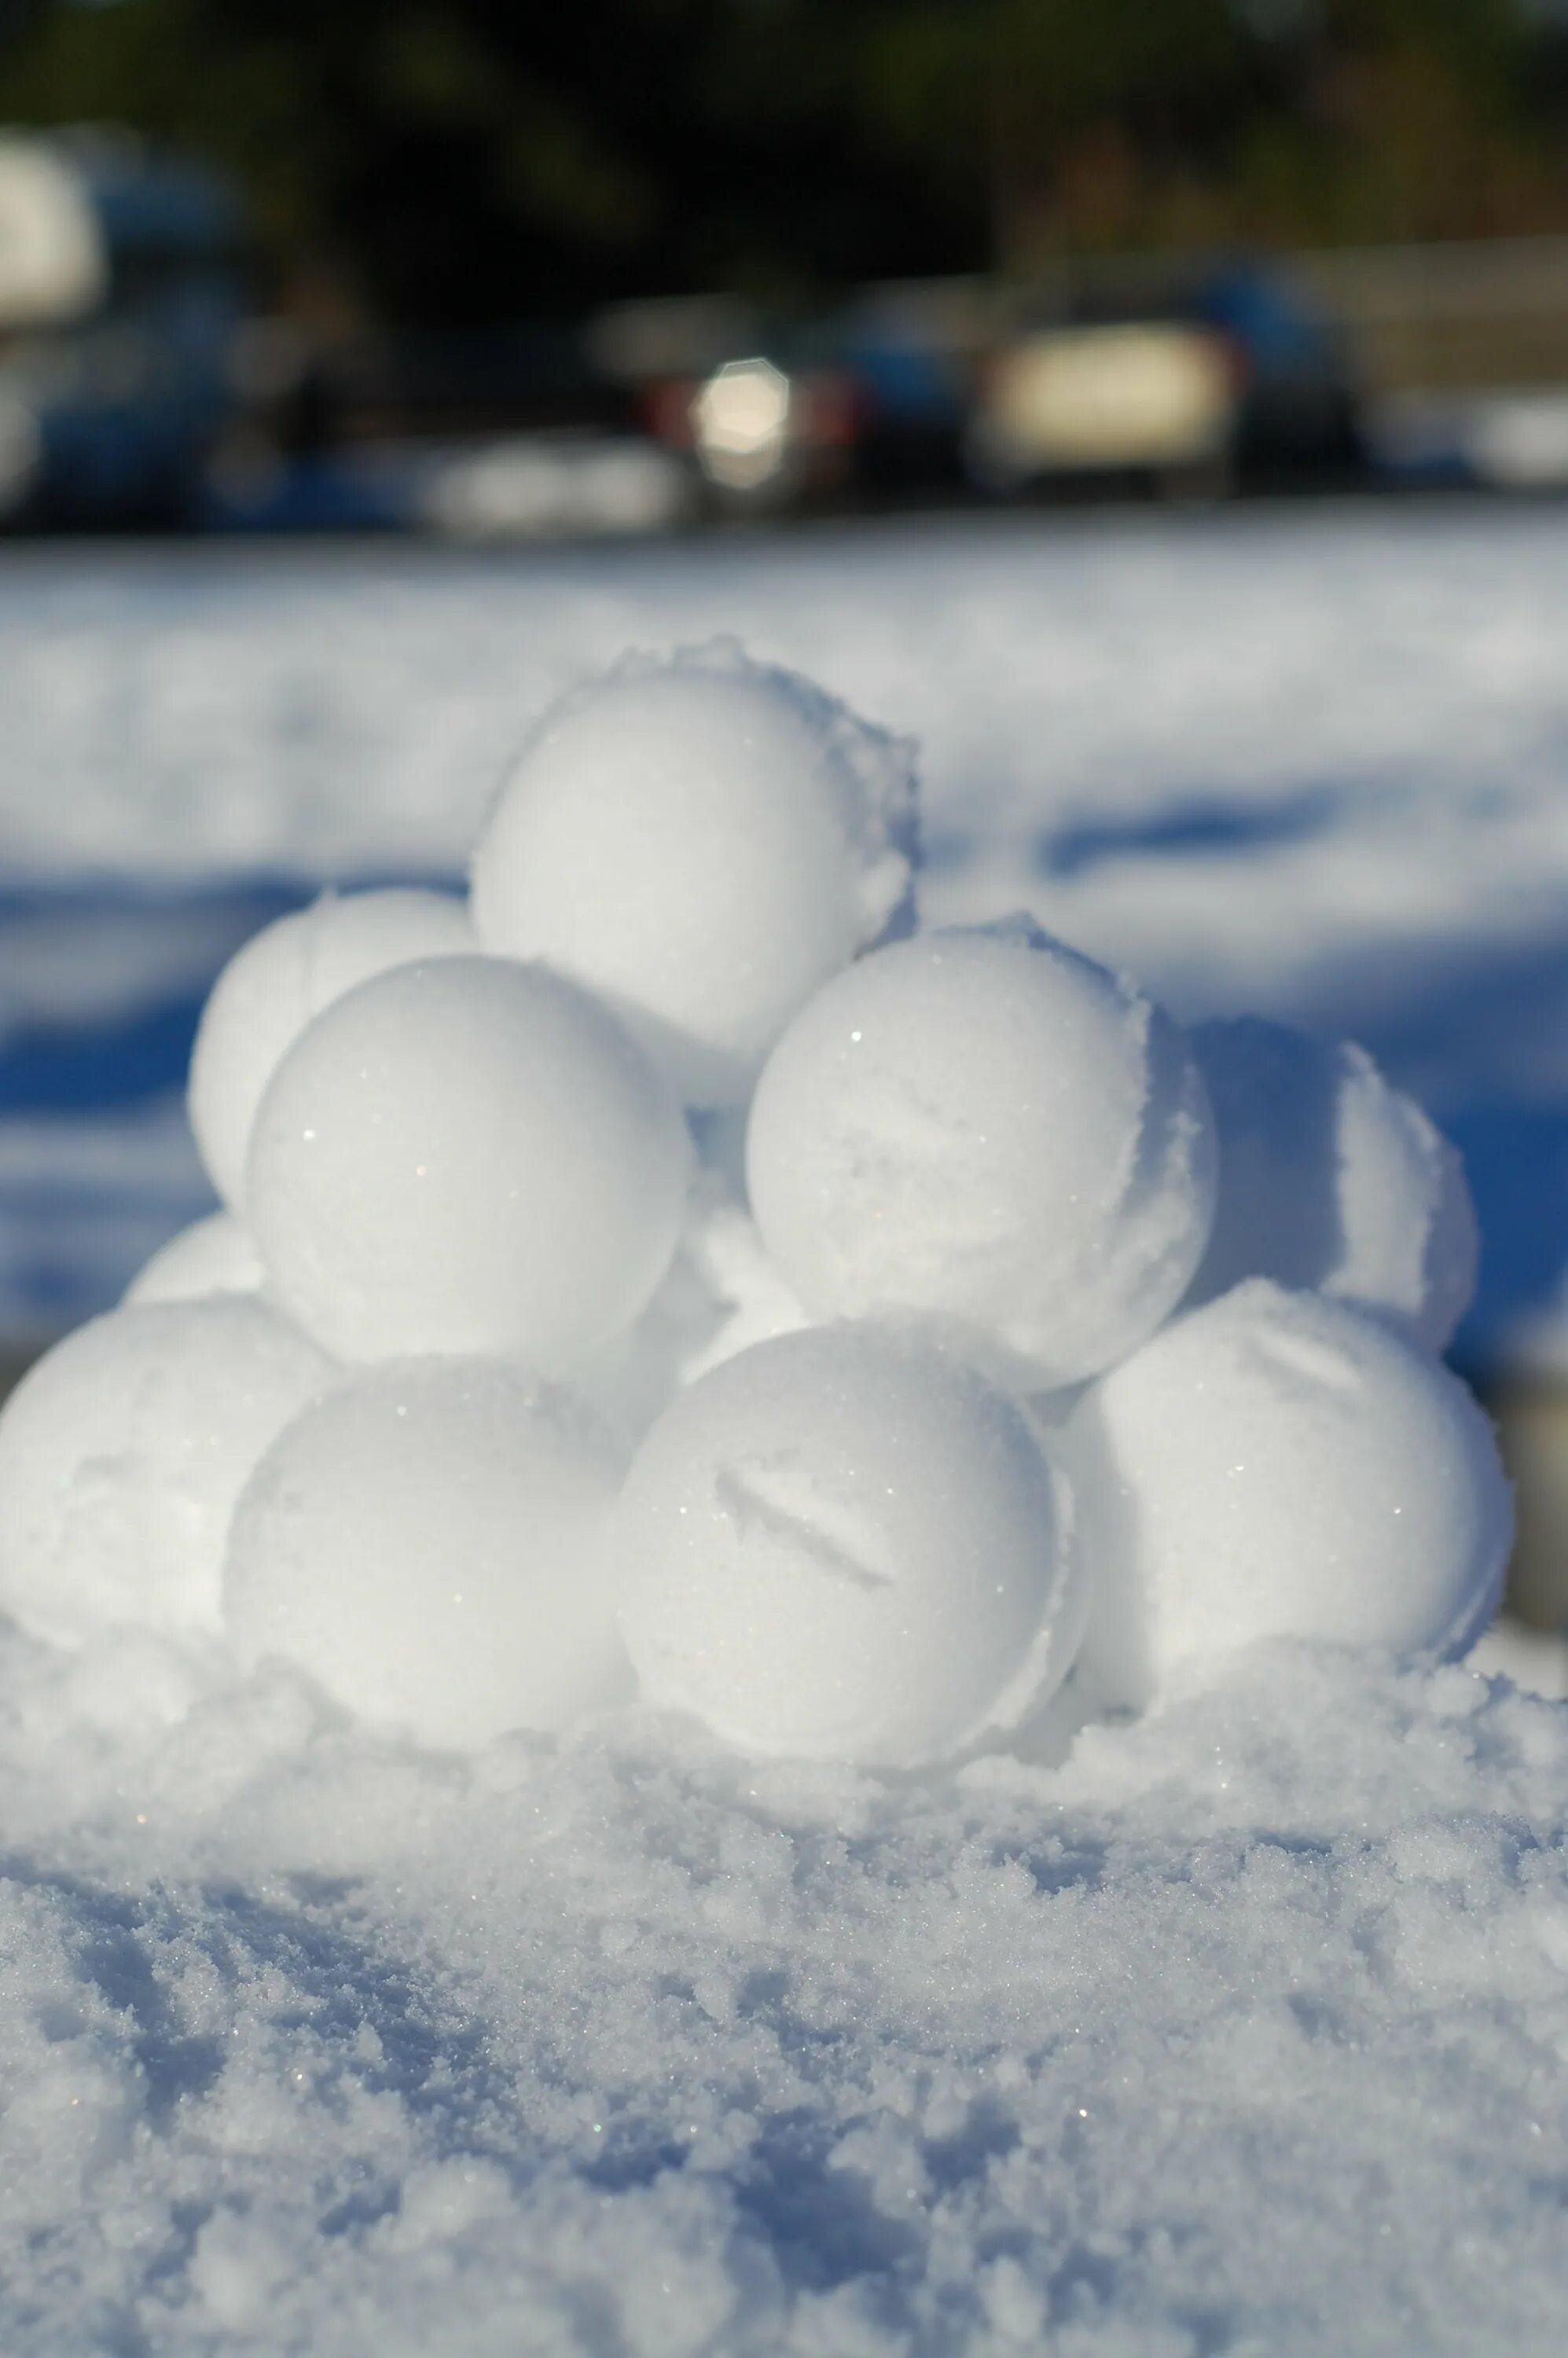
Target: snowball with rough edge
216 1255
427 1544
847 1545
278 981
1332 1181
467 1155
121 1453
983 1127
1276 1464
702 841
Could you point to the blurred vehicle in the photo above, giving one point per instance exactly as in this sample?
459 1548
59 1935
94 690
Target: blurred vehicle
120 289
493 434
776 411
1194 388
1505 439
1108 372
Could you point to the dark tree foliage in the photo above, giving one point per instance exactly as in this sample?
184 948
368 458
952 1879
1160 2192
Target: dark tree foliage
471 159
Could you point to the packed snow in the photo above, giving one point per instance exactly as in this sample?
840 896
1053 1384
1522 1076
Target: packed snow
981 1127
383 1976
121 1453
269 990
214 1255
1278 1464
701 843
1333 1181
844 1545
466 1154
428 1541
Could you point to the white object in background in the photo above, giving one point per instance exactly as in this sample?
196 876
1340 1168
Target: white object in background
54 268
427 1544
846 1545
469 1155
702 841
1332 1182
211 1256
1279 1465
121 1453
538 486
277 981
984 1128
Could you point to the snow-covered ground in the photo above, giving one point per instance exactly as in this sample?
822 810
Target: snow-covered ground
1243 2029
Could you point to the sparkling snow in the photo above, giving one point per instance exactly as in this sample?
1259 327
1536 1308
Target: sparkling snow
1242 2029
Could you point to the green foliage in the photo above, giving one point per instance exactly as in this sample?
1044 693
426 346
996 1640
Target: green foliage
472 157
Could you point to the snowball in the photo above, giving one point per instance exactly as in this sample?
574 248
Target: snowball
212 1256
1332 1181
985 1127
1279 1465
121 1453
846 1545
276 981
427 1544
467 1155
701 840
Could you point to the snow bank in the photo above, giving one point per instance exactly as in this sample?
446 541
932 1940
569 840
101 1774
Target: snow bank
1247 2029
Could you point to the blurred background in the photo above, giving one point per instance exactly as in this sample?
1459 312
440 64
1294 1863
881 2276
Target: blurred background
1161 410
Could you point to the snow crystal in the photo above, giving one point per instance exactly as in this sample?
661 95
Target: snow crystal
466 1155
702 841
215 1255
121 1453
843 1544
276 981
983 1127
1278 1464
1331 1181
427 1542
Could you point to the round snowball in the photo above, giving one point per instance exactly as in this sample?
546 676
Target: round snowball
1332 1182
121 1453
427 1544
701 841
276 981
1279 1465
985 1127
469 1155
846 1545
212 1256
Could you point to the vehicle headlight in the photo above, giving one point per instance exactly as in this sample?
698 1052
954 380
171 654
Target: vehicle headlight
741 421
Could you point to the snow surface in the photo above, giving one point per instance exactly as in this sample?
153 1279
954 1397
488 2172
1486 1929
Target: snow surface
1242 2029
1245 2032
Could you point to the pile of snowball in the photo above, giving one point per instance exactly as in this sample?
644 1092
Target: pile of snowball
674 1268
